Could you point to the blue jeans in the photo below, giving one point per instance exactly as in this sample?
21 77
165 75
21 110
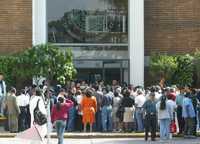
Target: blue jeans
164 128
139 119
60 129
106 118
71 119
98 123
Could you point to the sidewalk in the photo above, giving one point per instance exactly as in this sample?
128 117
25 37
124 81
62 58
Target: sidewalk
89 135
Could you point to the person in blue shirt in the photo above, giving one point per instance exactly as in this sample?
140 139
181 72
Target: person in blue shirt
179 103
188 114
150 112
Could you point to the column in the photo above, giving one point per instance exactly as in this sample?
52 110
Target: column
39 22
136 41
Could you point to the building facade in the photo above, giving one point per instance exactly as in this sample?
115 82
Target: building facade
110 39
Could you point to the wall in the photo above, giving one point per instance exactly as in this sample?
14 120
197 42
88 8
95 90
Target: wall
172 26
15 25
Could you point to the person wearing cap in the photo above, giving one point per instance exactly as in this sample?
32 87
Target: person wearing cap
149 109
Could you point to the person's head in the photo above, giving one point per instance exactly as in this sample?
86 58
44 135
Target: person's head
139 92
13 90
118 90
95 87
114 82
89 93
38 92
22 91
152 96
1 76
73 90
126 92
58 104
163 103
62 91
78 92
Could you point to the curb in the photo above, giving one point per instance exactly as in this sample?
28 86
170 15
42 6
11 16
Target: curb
90 135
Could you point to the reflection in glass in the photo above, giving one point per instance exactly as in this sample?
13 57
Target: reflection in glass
87 21
99 52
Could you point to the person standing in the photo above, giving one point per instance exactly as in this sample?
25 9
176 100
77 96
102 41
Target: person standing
149 108
2 94
128 105
116 104
99 96
59 116
23 103
165 115
139 101
89 108
72 111
179 103
12 110
36 99
188 113
106 112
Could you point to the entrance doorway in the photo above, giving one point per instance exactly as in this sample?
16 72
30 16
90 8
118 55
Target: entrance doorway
107 70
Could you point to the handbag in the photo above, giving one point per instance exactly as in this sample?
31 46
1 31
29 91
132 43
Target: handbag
173 127
39 117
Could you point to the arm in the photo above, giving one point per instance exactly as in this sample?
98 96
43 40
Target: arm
95 104
16 106
53 114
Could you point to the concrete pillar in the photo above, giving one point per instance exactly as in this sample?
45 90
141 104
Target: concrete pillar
136 41
39 22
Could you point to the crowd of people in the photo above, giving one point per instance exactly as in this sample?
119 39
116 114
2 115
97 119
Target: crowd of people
97 107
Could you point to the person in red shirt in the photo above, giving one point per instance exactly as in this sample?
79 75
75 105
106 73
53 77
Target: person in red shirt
59 116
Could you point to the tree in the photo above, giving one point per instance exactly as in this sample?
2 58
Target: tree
163 66
197 65
183 75
44 60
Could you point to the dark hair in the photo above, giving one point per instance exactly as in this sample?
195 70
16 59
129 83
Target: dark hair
89 93
116 94
13 90
163 103
95 86
126 92
62 90
22 91
58 104
38 92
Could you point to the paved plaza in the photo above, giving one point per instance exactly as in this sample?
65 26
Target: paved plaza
107 141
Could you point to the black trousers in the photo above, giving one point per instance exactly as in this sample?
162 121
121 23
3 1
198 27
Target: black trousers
150 126
181 121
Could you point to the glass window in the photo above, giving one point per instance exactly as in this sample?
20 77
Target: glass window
87 21
98 52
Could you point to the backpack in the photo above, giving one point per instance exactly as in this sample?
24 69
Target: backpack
39 117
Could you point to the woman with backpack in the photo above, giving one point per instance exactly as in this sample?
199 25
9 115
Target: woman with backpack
37 105
59 116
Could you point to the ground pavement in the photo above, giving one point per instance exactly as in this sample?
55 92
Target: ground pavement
108 141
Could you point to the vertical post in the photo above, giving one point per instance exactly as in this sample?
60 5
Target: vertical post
39 22
136 41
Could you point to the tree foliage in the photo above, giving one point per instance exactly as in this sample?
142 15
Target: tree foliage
163 66
175 69
184 73
41 60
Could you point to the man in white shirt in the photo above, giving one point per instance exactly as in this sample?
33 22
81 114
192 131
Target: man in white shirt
2 93
23 103
139 101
